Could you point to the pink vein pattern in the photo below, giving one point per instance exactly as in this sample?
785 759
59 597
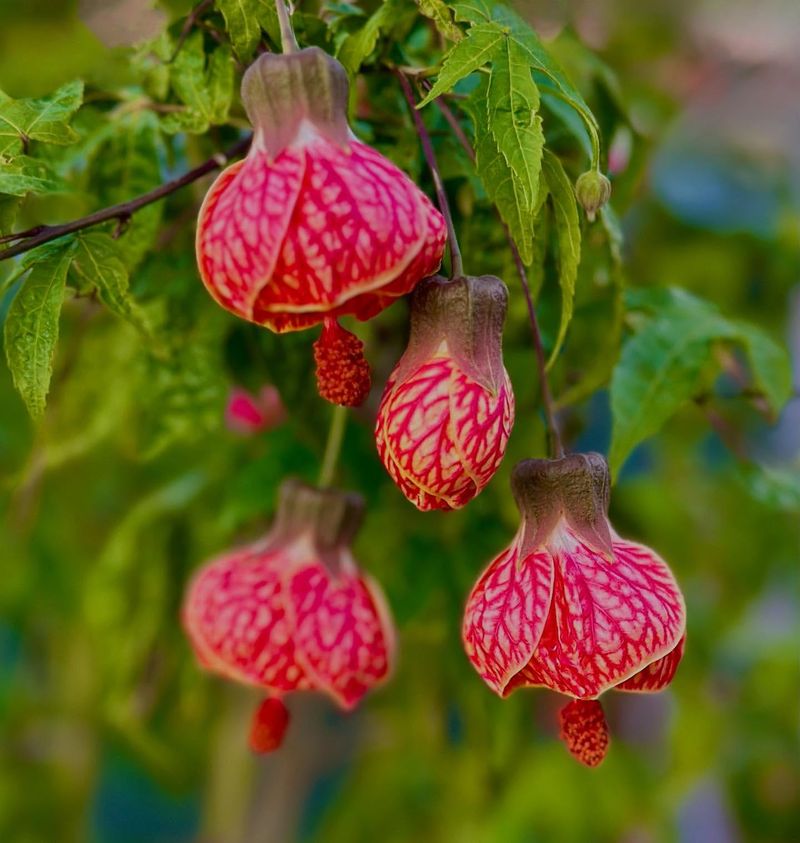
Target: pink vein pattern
606 620
280 620
321 230
442 435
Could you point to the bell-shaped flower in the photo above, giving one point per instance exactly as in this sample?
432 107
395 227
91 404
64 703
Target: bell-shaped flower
571 606
448 407
313 224
293 612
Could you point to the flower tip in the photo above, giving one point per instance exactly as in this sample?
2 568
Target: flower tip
343 375
268 727
584 730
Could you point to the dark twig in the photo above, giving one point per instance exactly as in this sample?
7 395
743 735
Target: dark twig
122 212
554 433
456 265
188 25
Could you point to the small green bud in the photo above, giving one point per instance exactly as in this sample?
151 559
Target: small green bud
593 190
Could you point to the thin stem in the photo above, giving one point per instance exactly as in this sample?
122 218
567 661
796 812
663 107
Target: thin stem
556 446
456 264
288 40
333 447
40 234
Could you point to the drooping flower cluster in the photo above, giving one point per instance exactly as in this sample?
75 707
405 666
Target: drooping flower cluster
293 612
571 606
448 407
313 224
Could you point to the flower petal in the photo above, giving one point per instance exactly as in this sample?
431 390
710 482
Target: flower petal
609 619
657 675
359 224
505 615
242 225
342 631
235 618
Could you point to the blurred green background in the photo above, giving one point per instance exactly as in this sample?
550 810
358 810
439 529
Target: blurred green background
111 734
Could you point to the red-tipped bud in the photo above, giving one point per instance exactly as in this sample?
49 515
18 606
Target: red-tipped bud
247 414
584 731
268 726
593 190
448 407
342 370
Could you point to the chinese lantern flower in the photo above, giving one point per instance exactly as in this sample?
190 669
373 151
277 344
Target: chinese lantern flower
448 407
247 414
313 224
292 612
571 606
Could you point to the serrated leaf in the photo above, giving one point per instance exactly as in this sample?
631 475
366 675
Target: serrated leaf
568 238
25 175
44 119
356 48
244 20
502 187
204 84
474 51
512 103
439 12
658 371
31 326
98 261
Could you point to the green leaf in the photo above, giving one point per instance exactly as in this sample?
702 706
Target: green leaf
658 371
512 102
25 175
99 262
355 49
45 119
502 187
244 20
568 237
203 84
474 51
769 363
31 327
439 12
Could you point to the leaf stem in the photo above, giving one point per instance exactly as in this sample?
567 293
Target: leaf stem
288 40
456 264
40 234
555 444
333 447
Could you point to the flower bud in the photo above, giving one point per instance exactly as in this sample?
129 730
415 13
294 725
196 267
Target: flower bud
312 224
571 606
293 612
593 190
247 414
448 407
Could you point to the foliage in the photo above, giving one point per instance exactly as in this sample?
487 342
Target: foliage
120 476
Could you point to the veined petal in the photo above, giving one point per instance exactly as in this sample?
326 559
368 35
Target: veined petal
505 615
242 225
657 675
342 631
609 619
235 618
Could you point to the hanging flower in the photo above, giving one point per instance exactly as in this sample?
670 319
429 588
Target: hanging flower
293 612
312 224
570 605
247 414
448 407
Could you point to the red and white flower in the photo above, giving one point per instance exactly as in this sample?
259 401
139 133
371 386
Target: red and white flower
312 224
293 612
570 605
448 406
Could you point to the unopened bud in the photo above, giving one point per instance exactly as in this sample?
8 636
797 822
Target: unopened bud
593 190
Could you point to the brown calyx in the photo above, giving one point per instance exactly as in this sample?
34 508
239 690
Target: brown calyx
575 487
280 91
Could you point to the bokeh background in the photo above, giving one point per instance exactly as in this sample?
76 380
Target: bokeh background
109 731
